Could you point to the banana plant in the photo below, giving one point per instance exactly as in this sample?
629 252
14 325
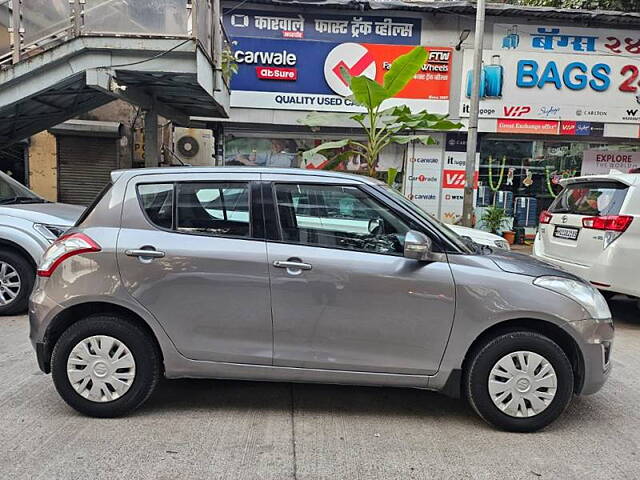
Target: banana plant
383 126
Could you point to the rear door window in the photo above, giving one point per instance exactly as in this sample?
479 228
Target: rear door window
213 209
591 198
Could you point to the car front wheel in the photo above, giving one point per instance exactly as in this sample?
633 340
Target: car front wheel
520 381
105 366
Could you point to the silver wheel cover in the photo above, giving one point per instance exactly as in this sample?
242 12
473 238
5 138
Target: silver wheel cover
101 368
522 384
10 283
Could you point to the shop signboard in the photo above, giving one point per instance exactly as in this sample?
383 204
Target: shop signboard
571 40
327 28
307 75
602 161
528 85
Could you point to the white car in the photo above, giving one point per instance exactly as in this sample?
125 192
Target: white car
481 237
592 229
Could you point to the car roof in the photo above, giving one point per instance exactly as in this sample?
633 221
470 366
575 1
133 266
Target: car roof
630 179
116 174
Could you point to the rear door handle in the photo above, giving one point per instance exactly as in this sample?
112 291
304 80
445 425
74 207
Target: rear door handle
144 253
292 265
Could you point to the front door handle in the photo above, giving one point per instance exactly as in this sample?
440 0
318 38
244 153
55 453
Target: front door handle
291 265
143 253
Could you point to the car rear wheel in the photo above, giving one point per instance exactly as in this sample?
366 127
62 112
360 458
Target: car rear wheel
520 381
105 366
17 276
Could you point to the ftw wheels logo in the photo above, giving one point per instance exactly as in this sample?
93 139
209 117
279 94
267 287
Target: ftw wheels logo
456 179
516 110
352 57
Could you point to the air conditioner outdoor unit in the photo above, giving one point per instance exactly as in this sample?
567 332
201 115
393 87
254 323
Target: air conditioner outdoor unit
194 146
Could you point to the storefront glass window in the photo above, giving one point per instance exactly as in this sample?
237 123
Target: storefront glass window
523 176
286 152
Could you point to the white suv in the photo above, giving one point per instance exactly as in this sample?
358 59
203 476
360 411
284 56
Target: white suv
593 230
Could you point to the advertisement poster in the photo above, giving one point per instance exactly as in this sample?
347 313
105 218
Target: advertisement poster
296 61
454 177
435 176
423 175
602 161
523 85
308 75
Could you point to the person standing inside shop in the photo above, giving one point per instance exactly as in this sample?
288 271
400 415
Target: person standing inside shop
281 155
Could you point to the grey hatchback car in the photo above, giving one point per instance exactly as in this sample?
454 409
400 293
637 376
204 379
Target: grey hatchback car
305 276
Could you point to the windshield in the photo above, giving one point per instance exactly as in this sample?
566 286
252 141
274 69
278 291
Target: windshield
442 227
591 198
12 191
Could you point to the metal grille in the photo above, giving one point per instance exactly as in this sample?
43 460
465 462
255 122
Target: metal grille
84 165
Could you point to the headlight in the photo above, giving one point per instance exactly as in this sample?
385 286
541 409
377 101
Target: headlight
50 232
503 244
587 296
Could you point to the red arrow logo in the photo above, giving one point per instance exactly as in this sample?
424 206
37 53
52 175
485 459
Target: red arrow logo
356 69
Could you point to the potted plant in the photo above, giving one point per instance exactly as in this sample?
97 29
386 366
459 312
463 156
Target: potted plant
495 219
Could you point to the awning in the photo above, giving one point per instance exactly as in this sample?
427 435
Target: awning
89 128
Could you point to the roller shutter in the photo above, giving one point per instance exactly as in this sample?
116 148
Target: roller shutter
84 165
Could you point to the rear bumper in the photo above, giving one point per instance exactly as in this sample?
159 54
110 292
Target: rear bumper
608 271
43 356
42 310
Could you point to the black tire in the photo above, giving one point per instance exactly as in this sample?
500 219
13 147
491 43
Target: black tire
607 294
27 276
142 347
482 362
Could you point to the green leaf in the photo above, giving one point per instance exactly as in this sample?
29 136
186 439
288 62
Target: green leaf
368 93
308 155
403 69
404 139
392 174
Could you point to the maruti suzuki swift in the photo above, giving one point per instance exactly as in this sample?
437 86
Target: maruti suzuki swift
299 276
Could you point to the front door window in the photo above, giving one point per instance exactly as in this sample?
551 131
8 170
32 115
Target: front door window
336 216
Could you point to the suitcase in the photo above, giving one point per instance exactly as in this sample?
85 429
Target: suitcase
483 83
494 75
526 211
504 200
484 196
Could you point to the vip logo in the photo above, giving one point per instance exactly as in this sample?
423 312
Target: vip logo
516 110
456 179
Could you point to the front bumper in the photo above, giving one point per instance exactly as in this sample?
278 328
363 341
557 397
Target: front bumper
596 346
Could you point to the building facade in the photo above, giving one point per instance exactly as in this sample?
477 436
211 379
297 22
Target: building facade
558 98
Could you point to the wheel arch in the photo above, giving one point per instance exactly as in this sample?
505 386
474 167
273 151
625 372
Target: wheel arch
556 333
19 249
75 313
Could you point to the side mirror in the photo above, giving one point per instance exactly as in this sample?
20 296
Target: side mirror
418 246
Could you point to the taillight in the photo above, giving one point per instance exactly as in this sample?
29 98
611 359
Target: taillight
545 217
610 223
63 248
